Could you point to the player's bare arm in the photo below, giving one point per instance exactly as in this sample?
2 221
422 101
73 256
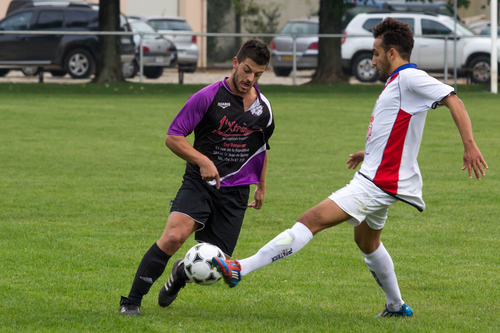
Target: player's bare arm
261 188
355 159
473 160
180 146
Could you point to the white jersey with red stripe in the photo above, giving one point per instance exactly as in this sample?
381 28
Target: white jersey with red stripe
395 132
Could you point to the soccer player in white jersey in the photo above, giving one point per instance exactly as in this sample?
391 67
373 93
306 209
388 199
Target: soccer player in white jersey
389 171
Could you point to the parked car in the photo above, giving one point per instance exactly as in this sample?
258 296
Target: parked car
473 51
58 54
307 47
435 7
158 52
187 48
17 4
487 31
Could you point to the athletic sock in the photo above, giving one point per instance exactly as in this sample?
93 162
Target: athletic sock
150 269
285 244
181 273
382 268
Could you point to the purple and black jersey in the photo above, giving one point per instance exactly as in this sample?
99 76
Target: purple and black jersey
234 139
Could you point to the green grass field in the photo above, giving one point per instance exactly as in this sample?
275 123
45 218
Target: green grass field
85 186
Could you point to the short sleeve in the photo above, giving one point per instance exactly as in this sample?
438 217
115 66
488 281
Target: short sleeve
193 111
429 88
269 130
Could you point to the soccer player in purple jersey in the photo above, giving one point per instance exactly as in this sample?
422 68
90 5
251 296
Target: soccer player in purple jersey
389 172
232 123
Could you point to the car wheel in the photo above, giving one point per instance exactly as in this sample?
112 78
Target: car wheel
4 71
79 64
188 68
153 72
282 71
363 69
480 71
130 69
30 71
57 73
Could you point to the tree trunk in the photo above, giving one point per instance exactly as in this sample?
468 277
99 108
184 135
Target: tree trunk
329 70
109 66
237 29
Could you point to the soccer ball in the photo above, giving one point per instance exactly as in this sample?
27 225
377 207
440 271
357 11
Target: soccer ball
198 263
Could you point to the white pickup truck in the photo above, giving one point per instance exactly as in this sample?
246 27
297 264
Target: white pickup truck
472 55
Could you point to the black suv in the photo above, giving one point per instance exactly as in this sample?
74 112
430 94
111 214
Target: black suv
56 53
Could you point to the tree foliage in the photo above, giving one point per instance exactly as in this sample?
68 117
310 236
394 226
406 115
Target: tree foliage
246 14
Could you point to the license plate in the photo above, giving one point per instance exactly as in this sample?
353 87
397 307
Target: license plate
287 57
159 59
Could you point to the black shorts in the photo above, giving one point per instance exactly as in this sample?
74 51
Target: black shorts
219 212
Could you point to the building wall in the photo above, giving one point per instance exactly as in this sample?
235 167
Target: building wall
4 4
152 7
195 13
291 9
476 8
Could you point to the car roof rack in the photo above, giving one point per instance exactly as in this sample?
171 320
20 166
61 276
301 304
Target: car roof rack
58 4
385 11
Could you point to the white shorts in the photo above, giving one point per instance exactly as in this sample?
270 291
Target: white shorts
364 202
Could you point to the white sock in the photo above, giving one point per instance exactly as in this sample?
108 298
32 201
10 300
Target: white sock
285 244
382 268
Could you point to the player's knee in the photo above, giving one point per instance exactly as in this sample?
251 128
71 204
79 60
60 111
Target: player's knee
311 220
173 240
366 246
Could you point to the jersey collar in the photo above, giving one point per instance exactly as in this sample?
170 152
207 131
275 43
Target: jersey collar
229 89
401 68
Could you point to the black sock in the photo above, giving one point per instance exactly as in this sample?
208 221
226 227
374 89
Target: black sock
181 273
150 269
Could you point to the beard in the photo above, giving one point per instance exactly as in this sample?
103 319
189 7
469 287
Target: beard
385 70
236 82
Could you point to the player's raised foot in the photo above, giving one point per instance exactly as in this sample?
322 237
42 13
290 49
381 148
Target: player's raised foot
170 290
405 311
127 308
229 269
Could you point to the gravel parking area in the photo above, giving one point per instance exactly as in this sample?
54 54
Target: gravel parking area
201 76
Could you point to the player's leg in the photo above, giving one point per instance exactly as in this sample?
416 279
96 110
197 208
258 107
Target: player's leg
324 215
180 224
177 230
381 266
222 229
171 240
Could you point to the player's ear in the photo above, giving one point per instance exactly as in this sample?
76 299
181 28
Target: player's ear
393 53
235 62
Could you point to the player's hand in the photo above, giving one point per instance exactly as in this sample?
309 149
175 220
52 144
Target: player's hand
209 172
355 159
473 160
258 198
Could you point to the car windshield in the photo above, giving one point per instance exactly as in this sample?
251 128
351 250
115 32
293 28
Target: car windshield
179 25
143 27
463 30
139 26
487 31
300 28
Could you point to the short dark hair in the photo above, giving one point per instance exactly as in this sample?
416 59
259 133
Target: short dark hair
395 34
255 50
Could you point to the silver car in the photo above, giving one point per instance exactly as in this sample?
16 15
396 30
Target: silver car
306 47
187 48
158 52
